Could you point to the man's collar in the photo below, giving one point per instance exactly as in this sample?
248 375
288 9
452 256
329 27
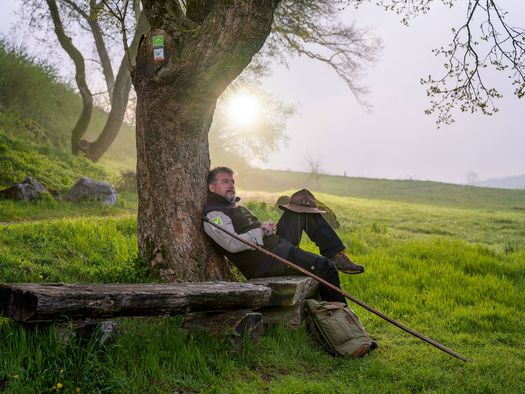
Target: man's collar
218 199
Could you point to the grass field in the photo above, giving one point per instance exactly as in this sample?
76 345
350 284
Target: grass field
446 260
450 271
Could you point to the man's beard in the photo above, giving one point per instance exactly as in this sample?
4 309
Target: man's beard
230 197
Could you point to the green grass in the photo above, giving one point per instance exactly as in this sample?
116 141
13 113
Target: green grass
37 114
48 208
71 250
454 274
56 169
446 260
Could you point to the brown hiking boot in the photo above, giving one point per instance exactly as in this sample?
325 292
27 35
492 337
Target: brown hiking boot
345 265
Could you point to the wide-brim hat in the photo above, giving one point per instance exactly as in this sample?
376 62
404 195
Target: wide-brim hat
302 201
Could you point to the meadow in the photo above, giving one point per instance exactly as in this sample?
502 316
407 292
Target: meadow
446 260
454 274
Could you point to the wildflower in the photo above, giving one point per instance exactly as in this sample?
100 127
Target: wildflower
59 386
77 390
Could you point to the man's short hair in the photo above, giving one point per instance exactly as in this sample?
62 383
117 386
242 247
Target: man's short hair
212 175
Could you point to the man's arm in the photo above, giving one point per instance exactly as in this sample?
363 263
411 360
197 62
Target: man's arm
224 240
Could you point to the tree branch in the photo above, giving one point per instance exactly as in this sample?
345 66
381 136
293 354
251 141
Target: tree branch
94 150
310 28
213 54
91 18
469 56
80 76
162 14
463 83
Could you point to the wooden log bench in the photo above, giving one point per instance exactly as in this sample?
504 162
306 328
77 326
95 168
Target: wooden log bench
217 307
286 304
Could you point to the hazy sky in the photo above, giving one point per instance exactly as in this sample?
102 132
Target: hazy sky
395 140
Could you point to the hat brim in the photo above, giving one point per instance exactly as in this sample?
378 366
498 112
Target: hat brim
300 208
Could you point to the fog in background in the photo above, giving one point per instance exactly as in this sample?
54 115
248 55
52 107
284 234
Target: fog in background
396 139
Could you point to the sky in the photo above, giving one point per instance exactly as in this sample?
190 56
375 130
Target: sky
396 140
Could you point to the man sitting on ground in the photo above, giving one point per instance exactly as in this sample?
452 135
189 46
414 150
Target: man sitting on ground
300 214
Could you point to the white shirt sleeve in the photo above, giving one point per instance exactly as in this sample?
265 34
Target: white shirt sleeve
226 241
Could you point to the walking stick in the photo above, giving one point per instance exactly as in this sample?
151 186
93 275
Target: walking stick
342 292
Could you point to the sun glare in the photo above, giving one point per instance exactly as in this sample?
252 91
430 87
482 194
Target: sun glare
243 109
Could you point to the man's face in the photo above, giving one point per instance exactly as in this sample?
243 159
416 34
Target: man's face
224 186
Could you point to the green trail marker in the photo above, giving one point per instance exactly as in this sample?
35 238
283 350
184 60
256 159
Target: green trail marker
158 41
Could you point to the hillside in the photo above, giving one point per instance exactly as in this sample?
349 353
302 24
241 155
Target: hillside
510 182
418 192
37 113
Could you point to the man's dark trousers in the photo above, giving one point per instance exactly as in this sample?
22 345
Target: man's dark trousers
290 228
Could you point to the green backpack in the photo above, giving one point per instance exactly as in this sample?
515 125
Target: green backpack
337 328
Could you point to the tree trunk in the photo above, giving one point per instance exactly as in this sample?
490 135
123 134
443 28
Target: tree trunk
176 98
119 99
105 63
119 102
80 77
172 165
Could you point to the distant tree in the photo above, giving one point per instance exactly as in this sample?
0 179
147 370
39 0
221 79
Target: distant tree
105 23
472 178
314 169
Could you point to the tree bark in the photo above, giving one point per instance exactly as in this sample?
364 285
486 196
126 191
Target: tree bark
176 99
172 164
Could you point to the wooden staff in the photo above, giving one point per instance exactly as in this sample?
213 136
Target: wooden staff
342 292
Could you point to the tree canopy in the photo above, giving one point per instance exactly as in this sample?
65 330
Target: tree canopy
302 27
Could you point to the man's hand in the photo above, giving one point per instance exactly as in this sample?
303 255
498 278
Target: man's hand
268 228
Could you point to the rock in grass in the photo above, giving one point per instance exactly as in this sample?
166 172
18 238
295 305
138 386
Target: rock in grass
29 190
89 189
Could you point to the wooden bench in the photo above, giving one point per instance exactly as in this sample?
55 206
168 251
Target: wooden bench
217 307
286 304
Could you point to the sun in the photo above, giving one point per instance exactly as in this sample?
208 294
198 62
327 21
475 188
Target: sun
243 109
